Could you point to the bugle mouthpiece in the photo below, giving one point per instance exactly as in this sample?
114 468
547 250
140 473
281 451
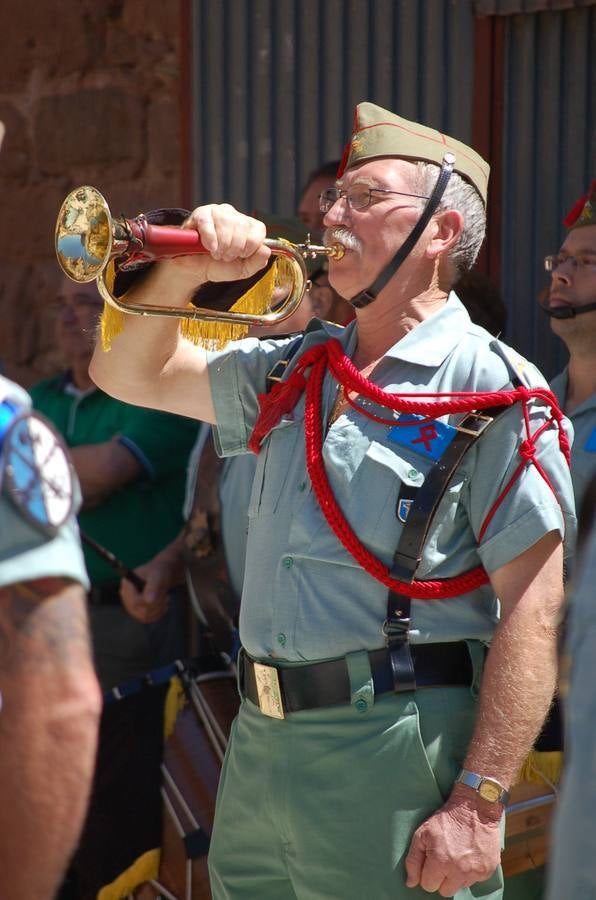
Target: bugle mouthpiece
311 251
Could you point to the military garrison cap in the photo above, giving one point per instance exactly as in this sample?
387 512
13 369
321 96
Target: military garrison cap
583 211
378 132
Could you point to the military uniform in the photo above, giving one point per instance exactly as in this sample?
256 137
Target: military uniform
27 550
336 793
583 451
572 872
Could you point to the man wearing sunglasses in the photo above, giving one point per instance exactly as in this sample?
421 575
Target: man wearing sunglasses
571 306
377 740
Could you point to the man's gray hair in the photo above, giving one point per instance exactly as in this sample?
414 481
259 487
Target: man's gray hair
463 197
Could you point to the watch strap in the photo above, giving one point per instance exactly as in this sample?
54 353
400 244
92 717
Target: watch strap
477 782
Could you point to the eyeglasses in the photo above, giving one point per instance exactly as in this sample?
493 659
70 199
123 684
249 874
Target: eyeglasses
359 196
581 263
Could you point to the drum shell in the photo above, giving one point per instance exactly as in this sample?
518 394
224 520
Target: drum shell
527 828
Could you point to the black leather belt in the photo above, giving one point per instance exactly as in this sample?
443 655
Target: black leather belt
328 684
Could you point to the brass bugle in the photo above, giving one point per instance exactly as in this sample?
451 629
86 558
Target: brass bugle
88 238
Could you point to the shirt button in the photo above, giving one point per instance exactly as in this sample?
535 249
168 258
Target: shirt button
361 705
288 562
281 639
302 486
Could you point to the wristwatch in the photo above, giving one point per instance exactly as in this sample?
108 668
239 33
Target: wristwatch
489 788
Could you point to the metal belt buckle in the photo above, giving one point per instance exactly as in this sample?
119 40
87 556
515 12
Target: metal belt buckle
276 372
480 423
269 691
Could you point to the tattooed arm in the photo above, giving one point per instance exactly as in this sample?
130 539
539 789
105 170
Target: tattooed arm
48 728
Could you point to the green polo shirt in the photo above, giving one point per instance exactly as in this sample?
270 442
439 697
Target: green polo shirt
28 552
583 451
138 520
304 596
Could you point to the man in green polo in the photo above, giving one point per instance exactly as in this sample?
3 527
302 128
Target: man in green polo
376 739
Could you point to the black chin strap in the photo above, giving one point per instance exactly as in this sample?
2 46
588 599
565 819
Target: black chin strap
367 296
567 312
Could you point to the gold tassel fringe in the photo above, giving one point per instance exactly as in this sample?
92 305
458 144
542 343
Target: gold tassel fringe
112 323
214 335
209 334
112 320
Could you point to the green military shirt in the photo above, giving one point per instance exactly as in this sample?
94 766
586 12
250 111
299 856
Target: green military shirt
235 488
26 551
304 596
138 520
583 451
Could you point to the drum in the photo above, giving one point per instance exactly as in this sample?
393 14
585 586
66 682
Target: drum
527 827
192 762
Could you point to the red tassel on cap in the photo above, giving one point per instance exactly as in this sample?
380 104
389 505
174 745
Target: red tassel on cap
577 208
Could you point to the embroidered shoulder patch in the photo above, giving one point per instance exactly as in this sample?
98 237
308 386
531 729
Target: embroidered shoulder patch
36 471
427 438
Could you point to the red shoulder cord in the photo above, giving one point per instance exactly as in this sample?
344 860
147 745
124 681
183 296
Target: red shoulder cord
284 396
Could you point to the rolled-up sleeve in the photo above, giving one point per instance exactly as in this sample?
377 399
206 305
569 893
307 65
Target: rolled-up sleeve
237 376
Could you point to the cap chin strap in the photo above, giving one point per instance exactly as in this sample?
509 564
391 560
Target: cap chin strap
567 312
365 297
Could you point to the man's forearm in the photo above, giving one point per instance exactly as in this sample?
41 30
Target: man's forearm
133 368
517 689
521 667
48 731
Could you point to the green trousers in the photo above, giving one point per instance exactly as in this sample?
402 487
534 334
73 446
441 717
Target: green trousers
322 805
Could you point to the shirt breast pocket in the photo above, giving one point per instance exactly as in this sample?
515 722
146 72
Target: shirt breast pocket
373 497
274 462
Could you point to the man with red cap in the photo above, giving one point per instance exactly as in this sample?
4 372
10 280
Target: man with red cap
571 306
408 512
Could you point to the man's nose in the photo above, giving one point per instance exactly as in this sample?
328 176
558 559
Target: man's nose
562 274
338 214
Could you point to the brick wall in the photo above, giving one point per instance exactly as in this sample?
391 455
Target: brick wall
89 94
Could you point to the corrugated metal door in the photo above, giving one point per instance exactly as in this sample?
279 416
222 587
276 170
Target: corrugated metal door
549 158
276 81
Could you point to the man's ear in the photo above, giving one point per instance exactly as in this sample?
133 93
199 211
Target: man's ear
446 228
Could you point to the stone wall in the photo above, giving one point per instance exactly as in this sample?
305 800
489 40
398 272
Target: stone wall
89 94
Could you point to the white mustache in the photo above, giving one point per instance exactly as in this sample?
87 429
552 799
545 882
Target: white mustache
338 234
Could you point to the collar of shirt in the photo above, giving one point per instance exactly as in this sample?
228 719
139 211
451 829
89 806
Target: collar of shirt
559 388
429 343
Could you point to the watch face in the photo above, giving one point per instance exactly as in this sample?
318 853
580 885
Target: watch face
37 472
489 791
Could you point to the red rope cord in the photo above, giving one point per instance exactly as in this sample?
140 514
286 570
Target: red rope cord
421 590
285 395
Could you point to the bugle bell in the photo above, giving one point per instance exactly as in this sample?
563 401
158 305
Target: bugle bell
91 244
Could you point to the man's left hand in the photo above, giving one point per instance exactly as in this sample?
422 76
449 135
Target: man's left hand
458 846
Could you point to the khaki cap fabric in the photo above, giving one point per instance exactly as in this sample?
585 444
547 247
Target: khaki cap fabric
378 132
583 211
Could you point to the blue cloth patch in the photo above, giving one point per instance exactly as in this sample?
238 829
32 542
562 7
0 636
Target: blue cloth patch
590 444
429 438
7 413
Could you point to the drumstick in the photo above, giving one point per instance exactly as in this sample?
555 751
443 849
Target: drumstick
114 562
